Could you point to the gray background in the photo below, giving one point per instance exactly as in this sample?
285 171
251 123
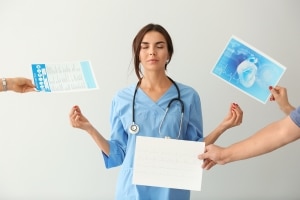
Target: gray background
42 157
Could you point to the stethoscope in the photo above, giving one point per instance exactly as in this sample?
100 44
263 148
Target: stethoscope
134 128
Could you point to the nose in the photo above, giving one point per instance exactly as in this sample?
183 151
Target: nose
152 52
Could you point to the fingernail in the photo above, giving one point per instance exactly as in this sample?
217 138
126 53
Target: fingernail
270 87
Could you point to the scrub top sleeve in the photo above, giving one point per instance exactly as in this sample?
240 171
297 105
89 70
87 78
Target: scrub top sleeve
195 126
118 139
116 155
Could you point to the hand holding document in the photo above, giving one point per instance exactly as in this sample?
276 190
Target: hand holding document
168 163
62 77
248 69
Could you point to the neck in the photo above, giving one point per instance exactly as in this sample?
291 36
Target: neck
155 87
155 82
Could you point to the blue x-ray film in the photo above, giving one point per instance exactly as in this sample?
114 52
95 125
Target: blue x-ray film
248 69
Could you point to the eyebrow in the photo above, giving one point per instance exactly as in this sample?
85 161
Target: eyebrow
160 42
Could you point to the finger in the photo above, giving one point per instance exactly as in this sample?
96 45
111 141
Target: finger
201 156
239 114
75 121
210 165
74 109
274 92
77 109
29 83
207 164
77 118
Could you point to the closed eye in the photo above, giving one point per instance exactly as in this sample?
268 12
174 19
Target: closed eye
144 47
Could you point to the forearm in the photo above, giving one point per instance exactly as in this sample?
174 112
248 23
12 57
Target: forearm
264 141
101 142
214 135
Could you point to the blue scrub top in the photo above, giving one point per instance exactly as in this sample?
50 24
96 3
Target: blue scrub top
148 115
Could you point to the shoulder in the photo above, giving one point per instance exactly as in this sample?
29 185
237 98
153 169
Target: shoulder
188 93
124 94
186 89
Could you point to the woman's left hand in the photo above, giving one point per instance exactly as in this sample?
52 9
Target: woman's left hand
234 116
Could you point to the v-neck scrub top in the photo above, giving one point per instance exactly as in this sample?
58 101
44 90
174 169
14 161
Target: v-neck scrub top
148 116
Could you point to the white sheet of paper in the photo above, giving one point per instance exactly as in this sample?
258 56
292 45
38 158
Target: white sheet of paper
168 163
63 77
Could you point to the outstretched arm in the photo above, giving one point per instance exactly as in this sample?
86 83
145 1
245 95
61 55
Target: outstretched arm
269 138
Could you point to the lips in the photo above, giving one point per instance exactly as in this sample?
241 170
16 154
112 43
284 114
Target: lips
152 60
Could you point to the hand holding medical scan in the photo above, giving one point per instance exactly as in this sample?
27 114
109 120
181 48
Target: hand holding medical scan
17 84
279 94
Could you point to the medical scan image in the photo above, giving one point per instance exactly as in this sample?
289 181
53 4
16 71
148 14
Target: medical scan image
246 71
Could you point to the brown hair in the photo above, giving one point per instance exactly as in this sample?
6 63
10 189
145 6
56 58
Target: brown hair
136 45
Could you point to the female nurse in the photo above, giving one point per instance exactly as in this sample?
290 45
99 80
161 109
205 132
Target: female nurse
141 109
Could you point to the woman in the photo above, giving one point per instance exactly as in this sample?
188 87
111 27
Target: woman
142 110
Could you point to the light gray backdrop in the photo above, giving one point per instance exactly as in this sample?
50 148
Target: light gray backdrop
43 158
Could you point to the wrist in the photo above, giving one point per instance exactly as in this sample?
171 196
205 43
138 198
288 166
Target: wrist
4 84
287 109
91 130
226 156
221 128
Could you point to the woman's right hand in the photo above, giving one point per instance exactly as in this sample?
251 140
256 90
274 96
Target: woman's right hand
78 120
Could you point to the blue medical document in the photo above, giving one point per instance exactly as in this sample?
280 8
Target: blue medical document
67 76
247 69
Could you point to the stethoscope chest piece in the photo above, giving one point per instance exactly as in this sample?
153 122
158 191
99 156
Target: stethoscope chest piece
134 129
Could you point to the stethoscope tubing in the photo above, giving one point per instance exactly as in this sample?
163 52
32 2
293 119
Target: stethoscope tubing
134 128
